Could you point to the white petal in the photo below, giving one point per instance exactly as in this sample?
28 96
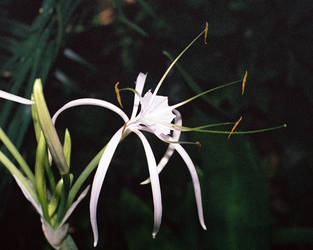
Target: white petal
156 114
98 180
155 183
175 137
94 102
140 83
74 205
170 150
195 181
28 196
15 98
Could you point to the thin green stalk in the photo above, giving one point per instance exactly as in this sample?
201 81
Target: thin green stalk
186 129
204 93
82 178
242 132
176 59
7 142
196 87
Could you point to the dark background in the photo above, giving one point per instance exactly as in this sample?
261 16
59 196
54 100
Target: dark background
256 189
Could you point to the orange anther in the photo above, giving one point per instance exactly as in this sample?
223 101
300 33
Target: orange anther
235 126
206 32
244 82
118 96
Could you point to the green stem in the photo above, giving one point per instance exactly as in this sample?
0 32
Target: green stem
68 244
7 142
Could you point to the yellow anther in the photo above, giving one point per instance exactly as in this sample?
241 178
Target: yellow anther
235 126
118 96
206 32
244 82
199 144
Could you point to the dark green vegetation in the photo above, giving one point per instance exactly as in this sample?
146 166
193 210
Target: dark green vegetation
257 189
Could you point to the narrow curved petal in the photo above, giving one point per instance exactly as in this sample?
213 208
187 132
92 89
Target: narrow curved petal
15 98
74 205
94 102
175 137
98 180
195 181
140 83
170 149
155 183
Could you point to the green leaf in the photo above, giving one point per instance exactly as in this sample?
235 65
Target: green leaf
16 154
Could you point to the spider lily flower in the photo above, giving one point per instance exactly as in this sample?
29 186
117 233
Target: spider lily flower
15 98
155 116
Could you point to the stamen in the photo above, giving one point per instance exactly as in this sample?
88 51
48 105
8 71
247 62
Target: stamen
244 82
235 126
173 63
181 142
132 90
118 96
204 93
186 129
242 132
206 32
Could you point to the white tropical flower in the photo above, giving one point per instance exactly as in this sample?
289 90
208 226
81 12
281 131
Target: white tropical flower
15 98
155 116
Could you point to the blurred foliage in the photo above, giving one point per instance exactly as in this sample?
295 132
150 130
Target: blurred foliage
257 189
